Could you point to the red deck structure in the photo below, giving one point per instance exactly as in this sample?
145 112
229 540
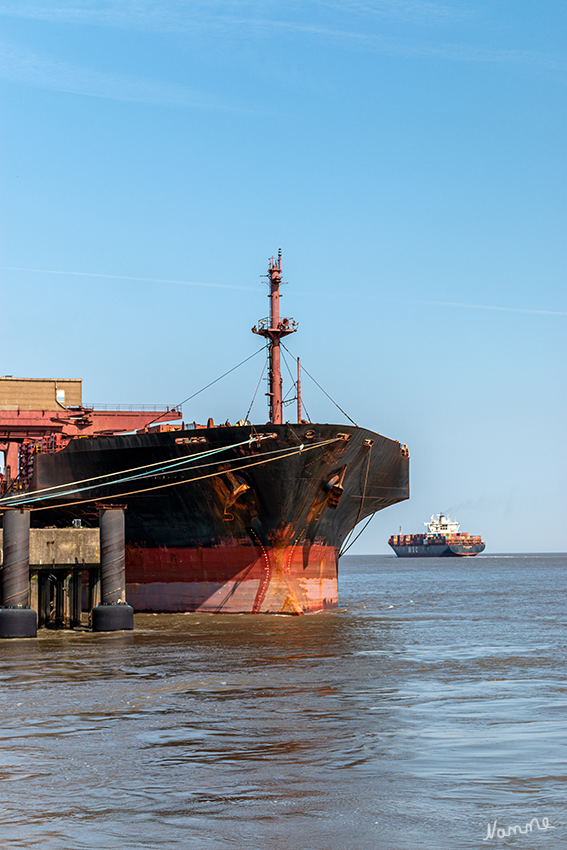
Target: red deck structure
35 419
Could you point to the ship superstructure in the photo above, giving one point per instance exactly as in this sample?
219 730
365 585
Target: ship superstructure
442 524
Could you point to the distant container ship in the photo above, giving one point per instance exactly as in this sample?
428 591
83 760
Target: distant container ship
442 540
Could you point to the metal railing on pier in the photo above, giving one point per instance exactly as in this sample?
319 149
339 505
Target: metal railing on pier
153 408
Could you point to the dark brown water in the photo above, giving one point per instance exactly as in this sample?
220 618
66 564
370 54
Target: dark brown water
429 705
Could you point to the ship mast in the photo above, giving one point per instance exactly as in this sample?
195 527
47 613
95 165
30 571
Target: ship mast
274 328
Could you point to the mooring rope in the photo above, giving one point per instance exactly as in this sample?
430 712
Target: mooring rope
22 498
123 480
285 454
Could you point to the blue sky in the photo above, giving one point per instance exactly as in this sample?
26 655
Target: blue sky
408 158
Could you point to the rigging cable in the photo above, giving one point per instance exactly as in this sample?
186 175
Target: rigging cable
211 384
293 381
364 527
257 388
304 410
287 401
321 388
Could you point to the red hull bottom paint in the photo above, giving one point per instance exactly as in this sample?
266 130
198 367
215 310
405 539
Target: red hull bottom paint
233 580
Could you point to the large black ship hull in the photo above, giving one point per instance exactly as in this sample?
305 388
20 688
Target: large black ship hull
255 528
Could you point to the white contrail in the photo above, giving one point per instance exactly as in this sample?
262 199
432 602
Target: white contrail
128 277
252 289
488 307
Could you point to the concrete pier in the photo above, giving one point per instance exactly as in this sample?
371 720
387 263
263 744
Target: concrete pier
64 575
62 578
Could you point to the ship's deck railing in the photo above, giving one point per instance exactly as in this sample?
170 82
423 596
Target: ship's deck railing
154 408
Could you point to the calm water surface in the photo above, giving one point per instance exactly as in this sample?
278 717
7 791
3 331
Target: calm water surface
427 706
